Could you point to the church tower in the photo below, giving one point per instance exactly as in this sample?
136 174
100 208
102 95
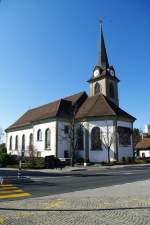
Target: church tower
104 80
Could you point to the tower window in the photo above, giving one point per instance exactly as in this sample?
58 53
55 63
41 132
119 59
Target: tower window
111 90
97 89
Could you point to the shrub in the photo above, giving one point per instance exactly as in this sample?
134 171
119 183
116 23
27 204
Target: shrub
130 159
124 159
6 159
148 160
3 148
34 163
139 161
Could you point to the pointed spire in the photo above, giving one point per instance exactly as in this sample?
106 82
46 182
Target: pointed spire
102 54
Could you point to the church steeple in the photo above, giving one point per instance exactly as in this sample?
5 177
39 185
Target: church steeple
102 53
103 79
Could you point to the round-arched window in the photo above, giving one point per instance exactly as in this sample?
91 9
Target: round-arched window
97 89
47 138
39 135
95 139
111 90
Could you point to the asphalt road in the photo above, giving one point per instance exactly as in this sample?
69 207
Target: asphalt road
44 184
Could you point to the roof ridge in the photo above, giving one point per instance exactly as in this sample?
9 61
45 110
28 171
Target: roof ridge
106 100
58 100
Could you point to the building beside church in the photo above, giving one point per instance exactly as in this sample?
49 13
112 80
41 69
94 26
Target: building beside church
99 121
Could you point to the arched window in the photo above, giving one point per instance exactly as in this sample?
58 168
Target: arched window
39 135
111 90
16 143
95 139
31 139
10 143
97 89
80 140
23 142
47 138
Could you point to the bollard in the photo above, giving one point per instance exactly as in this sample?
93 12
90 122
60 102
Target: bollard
1 180
19 173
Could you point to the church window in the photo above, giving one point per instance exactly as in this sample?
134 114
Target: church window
10 143
23 143
47 138
124 136
39 135
111 90
80 138
95 139
97 89
16 143
31 139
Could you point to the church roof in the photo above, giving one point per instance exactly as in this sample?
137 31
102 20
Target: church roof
143 144
60 108
99 106
94 106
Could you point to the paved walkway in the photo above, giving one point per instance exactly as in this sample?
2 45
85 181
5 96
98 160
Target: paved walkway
79 168
126 204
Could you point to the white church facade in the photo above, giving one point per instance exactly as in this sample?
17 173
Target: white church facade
97 122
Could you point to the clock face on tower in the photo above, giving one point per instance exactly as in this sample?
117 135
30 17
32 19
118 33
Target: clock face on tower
96 73
112 73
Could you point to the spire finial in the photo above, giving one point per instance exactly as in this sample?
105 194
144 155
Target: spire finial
102 54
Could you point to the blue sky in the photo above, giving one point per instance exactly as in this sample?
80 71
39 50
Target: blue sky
48 49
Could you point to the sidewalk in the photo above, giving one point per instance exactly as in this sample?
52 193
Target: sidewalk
119 204
79 168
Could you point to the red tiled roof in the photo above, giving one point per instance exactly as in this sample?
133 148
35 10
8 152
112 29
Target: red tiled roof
143 144
61 107
97 106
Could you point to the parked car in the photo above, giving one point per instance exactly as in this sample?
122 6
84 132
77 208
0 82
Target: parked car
52 162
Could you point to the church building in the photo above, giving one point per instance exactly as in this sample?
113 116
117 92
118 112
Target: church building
101 130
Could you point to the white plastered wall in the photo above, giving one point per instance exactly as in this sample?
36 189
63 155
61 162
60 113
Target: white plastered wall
145 152
101 155
39 146
63 140
20 133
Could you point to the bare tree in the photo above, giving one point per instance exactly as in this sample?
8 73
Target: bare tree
32 151
108 137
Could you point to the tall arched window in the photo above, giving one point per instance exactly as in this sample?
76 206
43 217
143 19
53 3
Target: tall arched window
23 142
39 135
97 89
31 139
47 138
111 90
80 138
16 142
96 139
10 143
